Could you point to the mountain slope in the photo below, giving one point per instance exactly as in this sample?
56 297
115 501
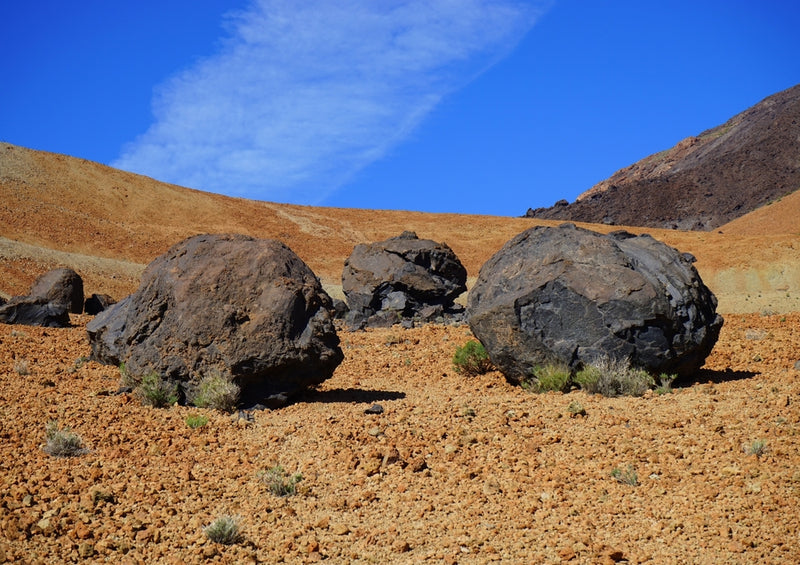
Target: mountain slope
107 224
705 181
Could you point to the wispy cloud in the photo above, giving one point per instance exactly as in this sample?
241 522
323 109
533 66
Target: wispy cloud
304 93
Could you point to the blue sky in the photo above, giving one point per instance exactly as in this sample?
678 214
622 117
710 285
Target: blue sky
465 106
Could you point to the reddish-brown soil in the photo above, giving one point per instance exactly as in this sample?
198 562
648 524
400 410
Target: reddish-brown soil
456 470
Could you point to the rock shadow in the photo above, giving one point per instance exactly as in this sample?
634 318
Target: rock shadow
705 376
349 395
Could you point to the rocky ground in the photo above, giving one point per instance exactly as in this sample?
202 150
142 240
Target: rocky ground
455 469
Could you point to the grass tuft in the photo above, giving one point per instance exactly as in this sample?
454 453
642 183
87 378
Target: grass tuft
216 391
549 378
224 530
195 421
281 483
62 442
471 359
156 392
626 477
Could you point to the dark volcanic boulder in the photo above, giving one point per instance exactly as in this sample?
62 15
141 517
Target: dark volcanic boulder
403 277
571 295
246 308
60 287
34 311
52 297
96 303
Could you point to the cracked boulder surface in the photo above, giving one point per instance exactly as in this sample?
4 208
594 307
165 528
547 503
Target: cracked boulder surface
572 296
247 308
402 278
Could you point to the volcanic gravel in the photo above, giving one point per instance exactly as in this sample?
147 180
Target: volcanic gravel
452 470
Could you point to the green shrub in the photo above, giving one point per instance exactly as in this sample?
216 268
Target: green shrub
62 442
611 377
549 377
224 530
156 392
471 359
279 482
216 391
195 421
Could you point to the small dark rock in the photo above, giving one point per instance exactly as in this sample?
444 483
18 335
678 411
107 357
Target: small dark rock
374 409
96 303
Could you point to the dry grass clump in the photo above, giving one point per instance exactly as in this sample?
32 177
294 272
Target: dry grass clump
62 442
224 530
613 377
216 391
279 482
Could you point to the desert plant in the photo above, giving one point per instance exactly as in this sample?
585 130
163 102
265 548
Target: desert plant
156 392
103 496
22 368
281 483
62 442
471 359
611 377
125 377
665 383
195 421
554 377
627 476
757 447
224 530
216 391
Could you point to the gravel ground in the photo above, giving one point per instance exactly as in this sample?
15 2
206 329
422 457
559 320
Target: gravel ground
454 470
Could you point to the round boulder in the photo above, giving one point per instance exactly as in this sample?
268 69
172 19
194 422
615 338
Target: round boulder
570 295
246 308
403 277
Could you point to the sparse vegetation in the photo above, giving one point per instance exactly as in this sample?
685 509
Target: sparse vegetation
224 530
611 377
576 409
757 447
552 377
281 483
627 476
195 421
22 368
103 496
62 442
471 359
216 391
156 392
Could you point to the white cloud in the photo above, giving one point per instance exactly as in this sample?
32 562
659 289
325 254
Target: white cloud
304 93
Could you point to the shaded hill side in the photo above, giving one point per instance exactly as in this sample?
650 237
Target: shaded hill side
705 181
57 210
